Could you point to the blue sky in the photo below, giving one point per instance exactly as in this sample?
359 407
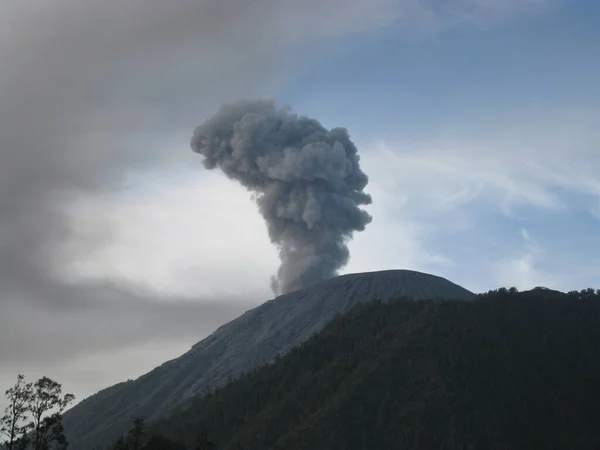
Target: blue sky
416 84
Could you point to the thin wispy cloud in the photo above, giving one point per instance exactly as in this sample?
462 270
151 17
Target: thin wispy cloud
509 165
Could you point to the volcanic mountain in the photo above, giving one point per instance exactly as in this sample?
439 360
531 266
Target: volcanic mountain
252 340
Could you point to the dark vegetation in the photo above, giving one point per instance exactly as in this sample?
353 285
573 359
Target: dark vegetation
33 417
137 438
508 370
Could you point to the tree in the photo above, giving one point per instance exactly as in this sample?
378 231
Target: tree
134 439
158 442
12 424
33 417
46 406
136 433
202 442
120 444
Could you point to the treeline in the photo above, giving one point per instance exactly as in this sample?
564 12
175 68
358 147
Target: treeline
509 370
33 417
138 438
584 294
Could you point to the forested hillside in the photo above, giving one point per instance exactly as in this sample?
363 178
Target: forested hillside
508 370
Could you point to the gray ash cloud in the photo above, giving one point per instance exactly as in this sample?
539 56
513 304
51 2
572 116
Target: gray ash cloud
306 179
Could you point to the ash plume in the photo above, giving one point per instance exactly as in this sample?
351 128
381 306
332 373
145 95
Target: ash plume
307 180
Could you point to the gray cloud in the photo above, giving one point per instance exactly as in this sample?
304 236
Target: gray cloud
53 335
308 182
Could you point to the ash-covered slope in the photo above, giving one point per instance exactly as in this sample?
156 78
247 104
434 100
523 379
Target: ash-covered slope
251 340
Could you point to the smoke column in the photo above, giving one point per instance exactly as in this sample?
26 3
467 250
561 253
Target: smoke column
307 180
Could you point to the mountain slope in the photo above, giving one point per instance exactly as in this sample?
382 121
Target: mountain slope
506 371
247 342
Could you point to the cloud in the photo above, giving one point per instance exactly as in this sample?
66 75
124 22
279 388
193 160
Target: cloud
85 373
505 163
155 246
114 321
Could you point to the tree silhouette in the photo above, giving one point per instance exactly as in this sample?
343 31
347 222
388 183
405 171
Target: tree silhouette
33 417
136 433
202 443
12 424
46 406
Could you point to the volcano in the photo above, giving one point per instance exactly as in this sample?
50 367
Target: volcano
255 338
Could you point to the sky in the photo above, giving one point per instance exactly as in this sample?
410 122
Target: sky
476 122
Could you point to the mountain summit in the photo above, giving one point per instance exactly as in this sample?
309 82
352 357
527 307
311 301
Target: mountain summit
251 340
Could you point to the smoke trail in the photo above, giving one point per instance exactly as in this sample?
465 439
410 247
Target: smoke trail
308 182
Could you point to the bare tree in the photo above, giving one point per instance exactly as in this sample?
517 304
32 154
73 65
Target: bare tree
46 407
136 432
12 424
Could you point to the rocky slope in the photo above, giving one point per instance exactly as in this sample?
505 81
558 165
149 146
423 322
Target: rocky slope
253 339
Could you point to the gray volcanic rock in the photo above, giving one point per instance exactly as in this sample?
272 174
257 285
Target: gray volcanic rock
251 340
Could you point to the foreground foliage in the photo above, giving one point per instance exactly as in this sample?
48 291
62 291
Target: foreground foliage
33 417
